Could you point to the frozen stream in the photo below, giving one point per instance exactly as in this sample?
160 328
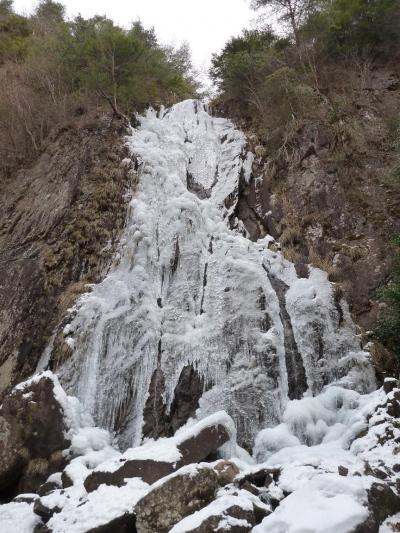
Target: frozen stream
189 290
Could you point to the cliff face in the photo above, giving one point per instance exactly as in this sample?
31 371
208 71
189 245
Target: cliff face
331 196
59 221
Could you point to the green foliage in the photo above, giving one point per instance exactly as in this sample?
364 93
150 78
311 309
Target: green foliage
95 56
50 11
243 64
50 67
253 75
388 330
355 26
126 66
6 7
14 33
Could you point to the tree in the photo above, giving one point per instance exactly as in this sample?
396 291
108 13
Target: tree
14 33
48 16
292 11
6 7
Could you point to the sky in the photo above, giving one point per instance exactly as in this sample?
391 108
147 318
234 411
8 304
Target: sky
205 24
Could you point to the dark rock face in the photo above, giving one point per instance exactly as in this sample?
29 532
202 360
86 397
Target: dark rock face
122 524
178 497
328 198
261 478
56 219
297 381
382 503
148 470
32 438
157 422
43 511
193 450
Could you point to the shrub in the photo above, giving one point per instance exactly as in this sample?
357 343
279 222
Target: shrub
388 329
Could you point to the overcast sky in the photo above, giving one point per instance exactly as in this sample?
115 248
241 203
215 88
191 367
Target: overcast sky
204 24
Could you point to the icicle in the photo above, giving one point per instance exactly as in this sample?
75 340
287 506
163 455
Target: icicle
184 277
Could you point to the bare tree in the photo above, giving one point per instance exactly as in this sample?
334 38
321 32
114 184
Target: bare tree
292 11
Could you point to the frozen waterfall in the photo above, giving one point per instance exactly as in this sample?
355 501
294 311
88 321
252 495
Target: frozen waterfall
187 289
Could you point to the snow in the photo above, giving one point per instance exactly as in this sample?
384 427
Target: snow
328 503
270 440
391 524
82 512
218 508
308 461
17 518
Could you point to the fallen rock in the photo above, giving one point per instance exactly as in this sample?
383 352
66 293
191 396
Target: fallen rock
389 384
122 524
233 520
192 445
203 443
259 478
47 488
176 497
236 512
31 433
44 511
148 470
382 503
227 471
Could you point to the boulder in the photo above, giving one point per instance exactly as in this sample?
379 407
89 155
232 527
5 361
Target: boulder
176 497
195 444
203 444
31 437
147 469
227 471
382 503
259 478
236 511
122 524
389 384
43 510
47 488
235 519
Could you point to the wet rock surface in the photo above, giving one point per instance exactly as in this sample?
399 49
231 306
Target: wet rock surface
160 422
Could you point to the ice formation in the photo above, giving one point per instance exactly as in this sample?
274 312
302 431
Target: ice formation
189 288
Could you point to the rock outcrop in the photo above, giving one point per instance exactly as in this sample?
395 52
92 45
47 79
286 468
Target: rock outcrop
59 221
32 437
330 194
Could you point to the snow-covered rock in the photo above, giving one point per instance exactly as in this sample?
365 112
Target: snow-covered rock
33 434
175 497
156 459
